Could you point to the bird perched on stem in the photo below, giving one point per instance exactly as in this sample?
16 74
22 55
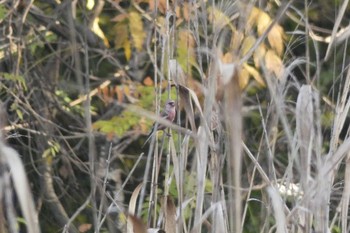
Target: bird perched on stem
168 113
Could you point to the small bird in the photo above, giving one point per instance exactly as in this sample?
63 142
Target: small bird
168 113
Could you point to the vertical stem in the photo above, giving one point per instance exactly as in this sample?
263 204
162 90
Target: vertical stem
88 123
307 49
233 120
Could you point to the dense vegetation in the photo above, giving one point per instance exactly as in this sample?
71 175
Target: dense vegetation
259 144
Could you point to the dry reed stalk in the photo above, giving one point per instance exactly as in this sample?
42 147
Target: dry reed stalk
21 186
233 122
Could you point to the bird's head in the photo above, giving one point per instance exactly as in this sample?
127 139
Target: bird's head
170 103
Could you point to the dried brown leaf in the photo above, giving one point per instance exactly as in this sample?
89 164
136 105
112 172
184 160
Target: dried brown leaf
148 81
187 104
120 94
84 227
186 11
170 215
136 225
161 7
133 199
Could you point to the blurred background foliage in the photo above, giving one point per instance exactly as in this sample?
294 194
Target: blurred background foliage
56 54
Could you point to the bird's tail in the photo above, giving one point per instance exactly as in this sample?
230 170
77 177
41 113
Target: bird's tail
149 136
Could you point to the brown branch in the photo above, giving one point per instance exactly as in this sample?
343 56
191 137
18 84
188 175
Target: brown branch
98 7
51 198
63 30
43 118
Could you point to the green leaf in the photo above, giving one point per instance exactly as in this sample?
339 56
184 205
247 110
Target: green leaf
3 12
16 78
185 49
19 114
15 107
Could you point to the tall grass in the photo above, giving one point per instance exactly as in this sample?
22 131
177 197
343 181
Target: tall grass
279 183
235 161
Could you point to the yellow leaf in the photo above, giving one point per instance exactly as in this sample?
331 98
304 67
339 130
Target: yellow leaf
227 58
122 35
263 22
120 17
275 38
252 20
259 54
274 63
127 49
122 218
218 18
19 114
256 75
248 43
185 49
236 40
98 31
136 30
243 78
90 4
